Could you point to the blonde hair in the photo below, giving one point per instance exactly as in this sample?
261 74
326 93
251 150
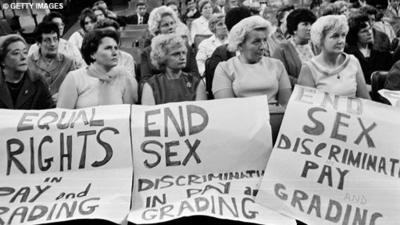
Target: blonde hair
324 24
239 32
160 47
156 16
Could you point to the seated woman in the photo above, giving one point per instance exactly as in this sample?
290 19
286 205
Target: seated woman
360 43
200 25
251 73
163 20
333 70
102 82
19 89
87 20
207 46
168 54
298 48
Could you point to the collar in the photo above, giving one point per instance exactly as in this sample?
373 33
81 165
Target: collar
36 55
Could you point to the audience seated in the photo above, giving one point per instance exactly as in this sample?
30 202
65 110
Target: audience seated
47 62
332 70
102 82
360 43
298 48
251 73
87 20
64 46
168 54
141 16
163 20
207 46
20 89
200 25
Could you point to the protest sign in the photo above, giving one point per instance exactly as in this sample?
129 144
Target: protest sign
61 164
392 96
336 161
201 158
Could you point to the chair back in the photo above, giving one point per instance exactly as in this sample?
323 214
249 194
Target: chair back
378 79
198 39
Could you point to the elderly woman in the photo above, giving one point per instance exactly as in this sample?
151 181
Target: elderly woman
19 89
168 54
87 20
219 37
251 73
360 43
163 20
102 82
297 49
332 70
200 25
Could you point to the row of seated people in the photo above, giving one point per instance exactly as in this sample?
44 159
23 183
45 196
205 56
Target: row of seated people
247 71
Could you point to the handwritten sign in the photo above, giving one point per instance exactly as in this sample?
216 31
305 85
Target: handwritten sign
336 161
58 165
201 158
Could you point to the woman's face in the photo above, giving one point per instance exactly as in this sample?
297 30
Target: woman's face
107 53
99 15
176 57
334 41
365 35
206 11
303 31
16 58
167 25
254 46
220 29
89 24
344 11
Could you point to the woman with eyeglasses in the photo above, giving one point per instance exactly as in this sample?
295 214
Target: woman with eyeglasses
87 20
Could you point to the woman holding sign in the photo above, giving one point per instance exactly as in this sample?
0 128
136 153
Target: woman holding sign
168 54
333 70
251 73
102 82
19 89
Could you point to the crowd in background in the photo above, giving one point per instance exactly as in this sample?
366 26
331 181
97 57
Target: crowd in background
215 49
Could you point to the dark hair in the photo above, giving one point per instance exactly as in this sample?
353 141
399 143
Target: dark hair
8 41
297 16
107 23
281 12
86 13
139 3
46 28
99 3
49 17
356 23
235 15
369 10
92 40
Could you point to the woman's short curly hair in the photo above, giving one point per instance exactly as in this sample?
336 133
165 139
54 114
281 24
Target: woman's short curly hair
156 16
161 45
239 32
92 40
324 25
6 41
356 23
214 20
297 16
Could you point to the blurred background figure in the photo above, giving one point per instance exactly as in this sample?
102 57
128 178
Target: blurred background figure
102 82
19 89
141 16
199 26
168 54
87 20
207 46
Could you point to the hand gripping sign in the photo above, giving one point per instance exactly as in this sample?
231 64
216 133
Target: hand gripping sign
336 161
